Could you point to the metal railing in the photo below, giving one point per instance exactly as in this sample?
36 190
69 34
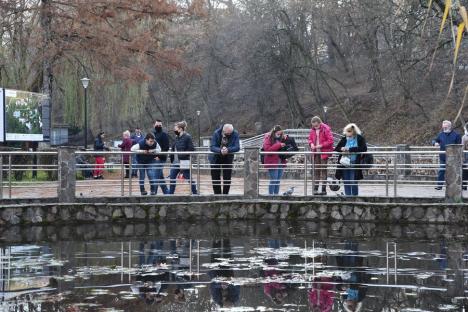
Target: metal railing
116 184
394 173
25 174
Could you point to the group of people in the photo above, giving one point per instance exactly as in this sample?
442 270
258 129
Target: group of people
321 144
151 153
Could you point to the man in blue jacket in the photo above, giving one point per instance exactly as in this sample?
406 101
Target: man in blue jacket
224 143
446 137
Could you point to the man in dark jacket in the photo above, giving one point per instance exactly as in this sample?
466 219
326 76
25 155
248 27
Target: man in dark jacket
163 140
224 143
446 137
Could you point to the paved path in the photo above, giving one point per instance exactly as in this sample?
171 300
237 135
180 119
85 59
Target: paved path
111 186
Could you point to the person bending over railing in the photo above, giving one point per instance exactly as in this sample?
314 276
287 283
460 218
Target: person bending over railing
146 151
224 142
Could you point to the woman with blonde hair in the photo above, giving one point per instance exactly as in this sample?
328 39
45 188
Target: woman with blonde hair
348 162
126 146
181 162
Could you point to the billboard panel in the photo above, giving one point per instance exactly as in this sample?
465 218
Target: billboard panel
23 115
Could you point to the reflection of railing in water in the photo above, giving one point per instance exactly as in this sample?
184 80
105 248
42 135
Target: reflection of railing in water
394 173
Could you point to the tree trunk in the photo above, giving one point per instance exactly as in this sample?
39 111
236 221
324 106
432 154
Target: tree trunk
47 72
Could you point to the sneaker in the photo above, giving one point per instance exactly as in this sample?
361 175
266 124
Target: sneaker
153 193
144 193
438 188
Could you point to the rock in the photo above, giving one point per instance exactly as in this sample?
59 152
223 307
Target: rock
396 214
140 213
129 212
117 213
311 214
336 215
274 208
163 212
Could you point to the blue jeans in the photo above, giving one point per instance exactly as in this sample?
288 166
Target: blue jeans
150 170
350 183
159 176
175 170
441 175
134 165
275 178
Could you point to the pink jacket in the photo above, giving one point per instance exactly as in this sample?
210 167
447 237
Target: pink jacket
272 161
322 295
325 139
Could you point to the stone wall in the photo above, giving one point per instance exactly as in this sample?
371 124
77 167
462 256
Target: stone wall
254 209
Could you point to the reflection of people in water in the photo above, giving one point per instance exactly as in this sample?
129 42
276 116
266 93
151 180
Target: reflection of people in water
322 295
354 290
223 292
274 289
153 287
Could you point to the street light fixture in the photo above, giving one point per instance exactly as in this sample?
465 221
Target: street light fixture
199 135
85 82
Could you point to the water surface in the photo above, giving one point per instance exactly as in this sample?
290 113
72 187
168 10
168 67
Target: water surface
288 267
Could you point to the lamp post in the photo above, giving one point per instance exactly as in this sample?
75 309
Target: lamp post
199 135
325 109
85 82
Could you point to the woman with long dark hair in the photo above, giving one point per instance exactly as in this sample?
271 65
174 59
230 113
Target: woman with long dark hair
274 142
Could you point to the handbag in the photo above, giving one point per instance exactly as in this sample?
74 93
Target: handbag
345 161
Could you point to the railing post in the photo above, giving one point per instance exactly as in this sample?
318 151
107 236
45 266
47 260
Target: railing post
453 172
66 174
404 160
251 175
1 177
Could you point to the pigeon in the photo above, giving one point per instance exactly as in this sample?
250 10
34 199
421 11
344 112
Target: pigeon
289 192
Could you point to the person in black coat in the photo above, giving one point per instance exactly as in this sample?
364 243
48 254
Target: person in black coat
181 162
350 171
162 138
224 143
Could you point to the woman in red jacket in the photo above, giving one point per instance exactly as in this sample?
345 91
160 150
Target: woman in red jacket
320 141
273 142
126 146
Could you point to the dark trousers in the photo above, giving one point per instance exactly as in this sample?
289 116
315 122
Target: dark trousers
223 166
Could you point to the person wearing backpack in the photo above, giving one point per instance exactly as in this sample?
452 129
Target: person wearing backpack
320 141
274 141
349 168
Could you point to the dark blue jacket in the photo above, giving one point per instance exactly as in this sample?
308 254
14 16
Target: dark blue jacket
445 139
163 140
233 145
183 143
146 158
136 138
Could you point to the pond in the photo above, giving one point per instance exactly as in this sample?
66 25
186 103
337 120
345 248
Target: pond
236 267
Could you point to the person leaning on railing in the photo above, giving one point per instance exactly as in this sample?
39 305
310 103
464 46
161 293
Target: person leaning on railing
274 142
181 162
348 162
224 142
146 151
446 137
320 141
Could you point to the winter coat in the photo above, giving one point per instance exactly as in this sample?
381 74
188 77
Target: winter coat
361 148
272 161
182 143
233 146
325 139
126 146
163 140
445 139
146 158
